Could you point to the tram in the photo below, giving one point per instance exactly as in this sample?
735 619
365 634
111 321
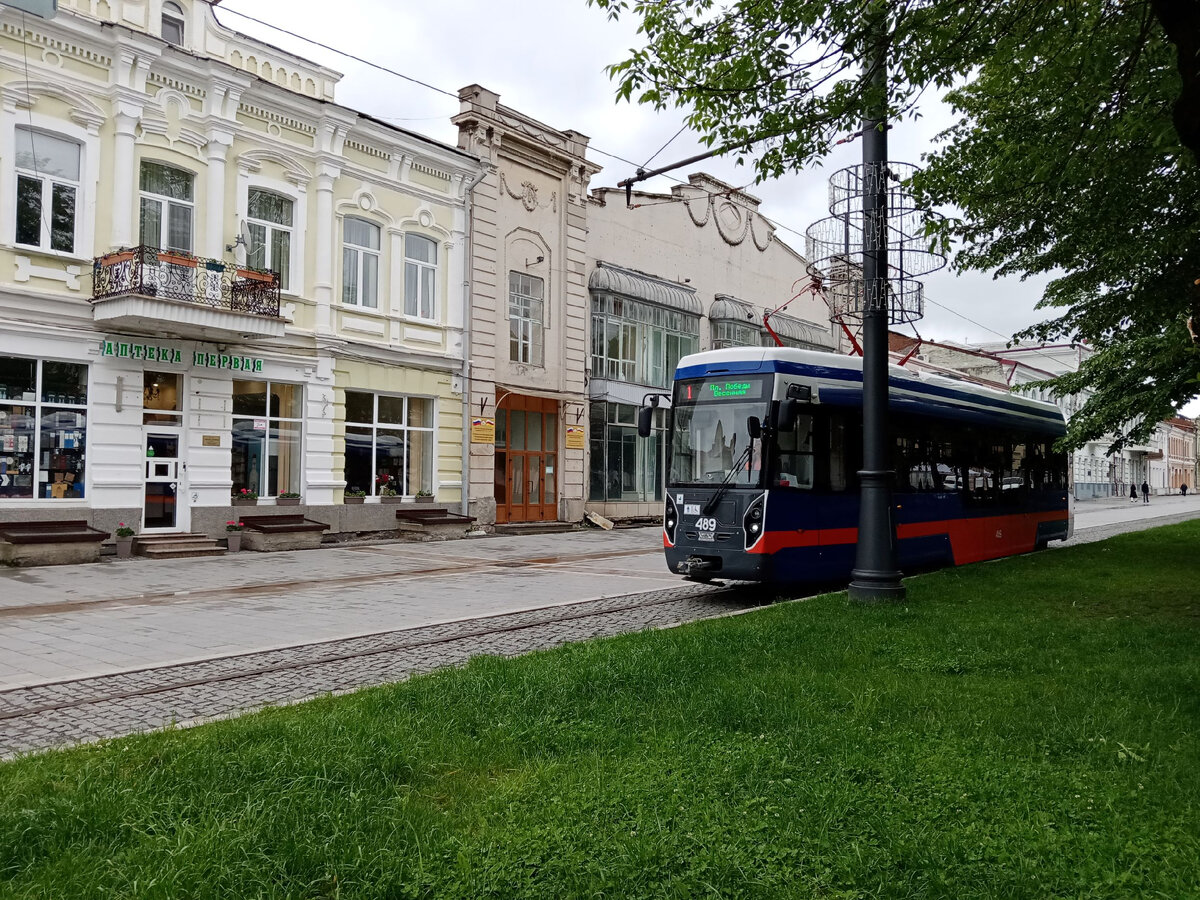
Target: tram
764 446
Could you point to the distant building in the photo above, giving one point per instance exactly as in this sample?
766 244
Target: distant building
672 274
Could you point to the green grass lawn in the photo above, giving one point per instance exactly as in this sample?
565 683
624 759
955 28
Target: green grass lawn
1024 728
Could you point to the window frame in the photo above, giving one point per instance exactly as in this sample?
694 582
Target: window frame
177 17
165 204
46 198
360 252
75 404
269 227
404 430
263 486
530 331
415 307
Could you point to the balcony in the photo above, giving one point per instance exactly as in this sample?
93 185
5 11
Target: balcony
144 290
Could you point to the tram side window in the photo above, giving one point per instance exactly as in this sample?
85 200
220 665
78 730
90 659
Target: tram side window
795 455
1014 481
915 469
1047 469
839 463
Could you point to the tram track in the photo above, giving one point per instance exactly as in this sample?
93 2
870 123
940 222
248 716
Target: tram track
55 713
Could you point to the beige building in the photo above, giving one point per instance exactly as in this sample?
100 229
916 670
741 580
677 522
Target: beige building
528 322
213 278
668 275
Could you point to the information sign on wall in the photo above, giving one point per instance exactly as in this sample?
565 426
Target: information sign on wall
574 437
483 431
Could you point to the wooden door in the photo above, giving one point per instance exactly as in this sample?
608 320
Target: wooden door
526 459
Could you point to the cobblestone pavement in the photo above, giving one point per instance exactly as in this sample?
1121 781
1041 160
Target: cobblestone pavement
44 716
530 595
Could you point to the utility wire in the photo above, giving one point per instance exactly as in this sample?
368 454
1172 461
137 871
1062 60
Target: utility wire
774 223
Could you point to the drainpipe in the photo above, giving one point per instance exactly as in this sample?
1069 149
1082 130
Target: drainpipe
468 245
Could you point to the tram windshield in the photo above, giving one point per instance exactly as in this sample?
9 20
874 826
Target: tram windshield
710 441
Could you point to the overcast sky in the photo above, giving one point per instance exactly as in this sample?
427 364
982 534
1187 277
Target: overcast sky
546 58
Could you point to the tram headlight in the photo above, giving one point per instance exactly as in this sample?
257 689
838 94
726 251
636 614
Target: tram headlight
670 519
753 520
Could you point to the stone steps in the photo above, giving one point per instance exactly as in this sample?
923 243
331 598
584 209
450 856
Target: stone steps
526 528
177 546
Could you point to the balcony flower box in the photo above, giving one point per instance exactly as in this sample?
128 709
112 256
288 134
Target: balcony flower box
176 259
120 256
254 275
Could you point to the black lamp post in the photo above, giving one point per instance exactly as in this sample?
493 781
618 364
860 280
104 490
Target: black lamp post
876 576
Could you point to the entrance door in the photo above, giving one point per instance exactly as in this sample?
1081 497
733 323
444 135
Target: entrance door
164 508
527 459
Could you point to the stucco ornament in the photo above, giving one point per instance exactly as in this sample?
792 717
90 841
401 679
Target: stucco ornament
734 222
528 195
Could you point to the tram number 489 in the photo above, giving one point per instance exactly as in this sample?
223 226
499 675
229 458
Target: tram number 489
706 524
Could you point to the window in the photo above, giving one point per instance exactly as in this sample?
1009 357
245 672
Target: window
526 317
639 343
172 24
623 465
43 428
727 333
388 436
47 189
420 276
267 418
269 221
360 263
166 207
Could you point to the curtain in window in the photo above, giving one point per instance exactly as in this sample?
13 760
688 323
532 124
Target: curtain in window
166 181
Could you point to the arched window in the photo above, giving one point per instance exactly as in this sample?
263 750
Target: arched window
172 24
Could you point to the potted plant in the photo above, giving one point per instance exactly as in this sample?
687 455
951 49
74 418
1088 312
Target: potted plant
288 498
424 496
124 541
353 496
245 497
233 535
386 488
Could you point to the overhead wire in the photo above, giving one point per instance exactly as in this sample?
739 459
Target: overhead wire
712 193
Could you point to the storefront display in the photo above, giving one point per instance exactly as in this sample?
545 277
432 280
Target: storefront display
43 434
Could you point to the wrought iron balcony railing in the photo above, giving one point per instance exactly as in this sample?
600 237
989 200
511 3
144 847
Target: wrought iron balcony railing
149 272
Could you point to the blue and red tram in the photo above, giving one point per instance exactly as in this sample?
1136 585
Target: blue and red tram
764 447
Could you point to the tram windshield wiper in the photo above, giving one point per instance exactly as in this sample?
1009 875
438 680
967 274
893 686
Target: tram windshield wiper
727 481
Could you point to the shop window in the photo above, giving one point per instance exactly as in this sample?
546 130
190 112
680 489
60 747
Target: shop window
162 394
167 207
389 443
625 467
420 276
526 318
47 169
172 24
269 221
43 429
360 263
267 431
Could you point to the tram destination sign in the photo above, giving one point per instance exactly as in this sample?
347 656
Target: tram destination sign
708 390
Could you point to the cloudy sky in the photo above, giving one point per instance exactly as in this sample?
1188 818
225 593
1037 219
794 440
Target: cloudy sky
546 58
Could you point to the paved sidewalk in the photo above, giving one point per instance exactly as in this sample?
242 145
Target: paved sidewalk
67 622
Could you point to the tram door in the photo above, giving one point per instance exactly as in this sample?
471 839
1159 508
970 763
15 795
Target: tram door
526 480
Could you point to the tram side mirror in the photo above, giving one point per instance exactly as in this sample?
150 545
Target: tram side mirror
645 418
754 427
785 414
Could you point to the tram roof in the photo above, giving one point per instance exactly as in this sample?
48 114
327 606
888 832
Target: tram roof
839 381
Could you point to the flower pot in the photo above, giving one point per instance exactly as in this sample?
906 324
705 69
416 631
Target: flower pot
124 547
390 498
353 499
287 501
424 499
244 501
234 541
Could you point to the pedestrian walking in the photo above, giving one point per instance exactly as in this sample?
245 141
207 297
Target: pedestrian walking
1145 492
1133 493
1183 489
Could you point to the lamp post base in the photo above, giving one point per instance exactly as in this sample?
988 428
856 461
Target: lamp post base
870 587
